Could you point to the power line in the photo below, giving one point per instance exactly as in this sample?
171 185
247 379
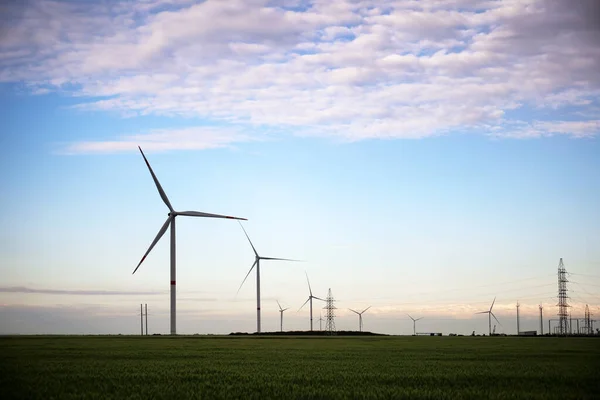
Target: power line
486 285
582 286
588 275
524 289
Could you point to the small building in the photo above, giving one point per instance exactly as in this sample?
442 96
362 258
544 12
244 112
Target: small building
528 333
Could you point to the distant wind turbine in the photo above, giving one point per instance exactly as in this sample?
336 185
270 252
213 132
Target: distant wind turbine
490 315
171 221
360 323
281 310
257 263
414 324
310 298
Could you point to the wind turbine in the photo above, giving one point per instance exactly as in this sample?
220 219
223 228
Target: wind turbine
310 298
490 315
414 324
257 263
281 310
171 222
360 324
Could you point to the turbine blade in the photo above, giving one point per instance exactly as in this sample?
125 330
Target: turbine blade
492 304
248 237
207 215
303 304
251 268
161 232
419 318
482 312
285 309
366 309
318 298
309 289
495 318
278 259
410 317
354 311
162 193
278 304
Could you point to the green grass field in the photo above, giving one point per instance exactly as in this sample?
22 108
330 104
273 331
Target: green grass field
122 367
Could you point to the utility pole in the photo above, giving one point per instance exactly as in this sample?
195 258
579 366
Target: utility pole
570 323
141 320
542 321
146 305
518 328
320 322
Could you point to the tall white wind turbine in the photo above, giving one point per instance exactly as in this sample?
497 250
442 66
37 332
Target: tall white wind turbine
310 298
360 324
281 310
414 324
490 315
257 263
171 222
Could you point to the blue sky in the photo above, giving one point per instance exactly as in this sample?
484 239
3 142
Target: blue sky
416 156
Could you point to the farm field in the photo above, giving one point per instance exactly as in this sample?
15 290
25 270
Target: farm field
162 367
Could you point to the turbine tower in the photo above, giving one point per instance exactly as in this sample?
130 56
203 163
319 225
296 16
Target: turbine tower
490 315
281 310
310 298
257 263
414 324
171 222
360 323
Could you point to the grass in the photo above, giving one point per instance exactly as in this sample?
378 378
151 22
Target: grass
122 367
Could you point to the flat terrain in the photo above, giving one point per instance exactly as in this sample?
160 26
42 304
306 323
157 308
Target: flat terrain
122 367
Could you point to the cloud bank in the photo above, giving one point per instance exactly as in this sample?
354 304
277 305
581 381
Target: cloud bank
23 289
348 69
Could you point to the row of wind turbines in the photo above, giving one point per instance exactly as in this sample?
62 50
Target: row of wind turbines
360 323
170 223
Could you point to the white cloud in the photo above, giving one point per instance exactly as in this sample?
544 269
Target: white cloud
576 129
194 138
351 69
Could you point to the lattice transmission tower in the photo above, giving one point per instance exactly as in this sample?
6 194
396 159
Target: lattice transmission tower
330 314
587 327
563 313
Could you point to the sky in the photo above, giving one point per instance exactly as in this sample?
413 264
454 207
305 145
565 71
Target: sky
419 157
